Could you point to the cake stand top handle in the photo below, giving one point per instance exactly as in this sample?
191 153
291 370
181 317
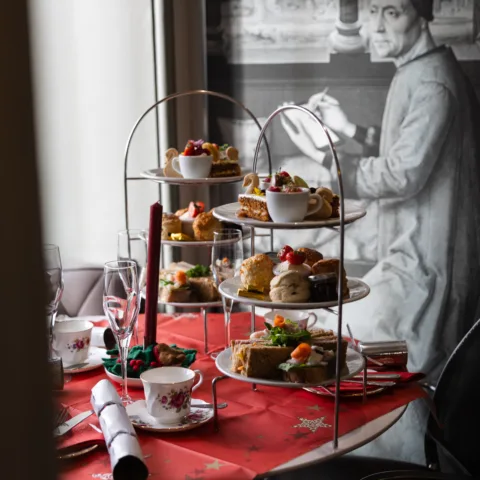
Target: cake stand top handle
342 235
185 94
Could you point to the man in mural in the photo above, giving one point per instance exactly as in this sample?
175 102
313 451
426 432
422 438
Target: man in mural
424 194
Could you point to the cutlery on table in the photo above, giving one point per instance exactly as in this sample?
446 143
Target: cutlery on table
65 427
74 367
372 384
210 405
379 376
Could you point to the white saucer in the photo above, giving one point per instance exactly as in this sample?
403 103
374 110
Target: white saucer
142 420
94 360
132 382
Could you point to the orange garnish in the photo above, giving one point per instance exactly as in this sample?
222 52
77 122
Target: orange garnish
181 277
279 321
302 352
240 368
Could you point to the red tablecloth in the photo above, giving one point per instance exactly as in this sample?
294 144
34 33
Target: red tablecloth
258 431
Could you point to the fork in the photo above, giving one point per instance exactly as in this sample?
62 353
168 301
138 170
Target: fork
60 417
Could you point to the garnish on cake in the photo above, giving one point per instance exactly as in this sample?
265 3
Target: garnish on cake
253 203
224 158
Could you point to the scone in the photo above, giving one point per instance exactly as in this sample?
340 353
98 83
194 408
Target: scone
329 209
312 256
170 224
256 272
289 287
204 226
331 265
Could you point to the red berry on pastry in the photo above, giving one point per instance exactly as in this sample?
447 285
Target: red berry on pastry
195 208
274 189
268 180
284 174
189 150
282 254
296 257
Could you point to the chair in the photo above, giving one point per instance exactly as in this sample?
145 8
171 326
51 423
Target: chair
82 293
453 450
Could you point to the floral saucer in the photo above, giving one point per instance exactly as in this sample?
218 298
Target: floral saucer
142 420
94 361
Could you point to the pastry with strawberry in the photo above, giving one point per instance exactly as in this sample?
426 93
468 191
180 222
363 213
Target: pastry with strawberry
292 260
188 215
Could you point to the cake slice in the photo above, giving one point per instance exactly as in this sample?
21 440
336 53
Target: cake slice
258 360
253 206
312 374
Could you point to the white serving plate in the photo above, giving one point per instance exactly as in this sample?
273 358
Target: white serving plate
131 382
156 175
355 364
229 288
195 243
228 213
187 305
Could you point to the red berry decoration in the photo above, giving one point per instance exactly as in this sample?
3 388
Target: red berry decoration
284 174
296 257
282 254
136 368
268 180
274 189
153 364
119 360
132 363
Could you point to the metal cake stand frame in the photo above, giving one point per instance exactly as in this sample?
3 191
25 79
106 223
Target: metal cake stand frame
127 178
341 230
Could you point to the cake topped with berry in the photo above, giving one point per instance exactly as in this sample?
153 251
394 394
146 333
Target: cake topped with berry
253 203
224 158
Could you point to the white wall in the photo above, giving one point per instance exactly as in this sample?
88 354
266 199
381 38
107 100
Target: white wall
93 77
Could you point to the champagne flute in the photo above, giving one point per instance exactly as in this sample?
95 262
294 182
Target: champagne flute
121 305
53 275
132 245
227 257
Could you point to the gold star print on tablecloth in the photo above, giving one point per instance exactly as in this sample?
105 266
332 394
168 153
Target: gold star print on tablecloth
214 465
312 424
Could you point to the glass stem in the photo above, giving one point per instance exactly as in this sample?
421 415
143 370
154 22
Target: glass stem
50 325
123 350
227 309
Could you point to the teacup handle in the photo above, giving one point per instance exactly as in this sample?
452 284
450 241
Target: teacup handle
315 206
200 379
176 165
314 318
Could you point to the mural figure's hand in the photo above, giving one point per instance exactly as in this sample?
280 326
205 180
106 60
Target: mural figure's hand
302 139
331 113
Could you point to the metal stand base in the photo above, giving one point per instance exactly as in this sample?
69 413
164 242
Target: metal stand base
214 400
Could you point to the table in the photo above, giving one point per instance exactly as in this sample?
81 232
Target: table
254 427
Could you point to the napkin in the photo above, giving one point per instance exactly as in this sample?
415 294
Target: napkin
347 387
126 456
146 356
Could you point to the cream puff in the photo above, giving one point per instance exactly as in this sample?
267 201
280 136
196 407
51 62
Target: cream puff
289 287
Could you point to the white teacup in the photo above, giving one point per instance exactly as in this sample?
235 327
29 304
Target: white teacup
168 392
301 318
71 340
193 166
292 207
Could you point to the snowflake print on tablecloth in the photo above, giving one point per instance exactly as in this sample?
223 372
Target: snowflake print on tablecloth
312 424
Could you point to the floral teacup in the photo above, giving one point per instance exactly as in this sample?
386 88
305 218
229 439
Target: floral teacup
71 340
168 392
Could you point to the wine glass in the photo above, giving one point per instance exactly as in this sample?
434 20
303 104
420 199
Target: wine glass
121 305
227 257
132 245
53 276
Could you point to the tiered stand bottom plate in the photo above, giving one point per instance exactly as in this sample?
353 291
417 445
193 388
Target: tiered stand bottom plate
354 365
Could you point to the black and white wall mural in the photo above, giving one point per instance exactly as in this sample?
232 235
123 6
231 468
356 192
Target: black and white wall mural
397 83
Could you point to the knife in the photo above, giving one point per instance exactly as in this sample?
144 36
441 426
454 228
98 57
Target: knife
380 376
69 424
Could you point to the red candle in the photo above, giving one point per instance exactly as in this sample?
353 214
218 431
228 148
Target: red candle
153 266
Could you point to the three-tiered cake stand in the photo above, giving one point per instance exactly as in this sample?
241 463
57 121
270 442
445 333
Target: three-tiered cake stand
349 212
156 175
